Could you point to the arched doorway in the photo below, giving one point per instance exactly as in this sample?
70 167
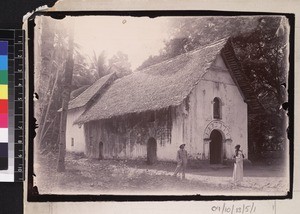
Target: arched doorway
215 147
100 151
151 151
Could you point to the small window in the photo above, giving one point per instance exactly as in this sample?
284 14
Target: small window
217 108
72 141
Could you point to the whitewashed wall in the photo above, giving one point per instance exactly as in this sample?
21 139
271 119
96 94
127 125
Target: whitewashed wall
122 138
75 132
189 128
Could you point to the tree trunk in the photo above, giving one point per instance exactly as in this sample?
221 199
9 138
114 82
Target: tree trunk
67 82
45 38
44 121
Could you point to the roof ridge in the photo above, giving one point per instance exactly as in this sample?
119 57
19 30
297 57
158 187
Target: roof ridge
95 83
186 53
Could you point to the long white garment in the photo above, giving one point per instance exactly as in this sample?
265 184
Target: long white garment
238 171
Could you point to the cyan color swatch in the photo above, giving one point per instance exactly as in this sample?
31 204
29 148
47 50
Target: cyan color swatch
3 62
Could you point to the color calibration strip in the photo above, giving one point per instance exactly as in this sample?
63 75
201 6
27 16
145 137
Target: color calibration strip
4 105
18 90
11 105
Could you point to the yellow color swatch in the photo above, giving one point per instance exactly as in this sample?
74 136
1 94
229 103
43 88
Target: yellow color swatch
3 92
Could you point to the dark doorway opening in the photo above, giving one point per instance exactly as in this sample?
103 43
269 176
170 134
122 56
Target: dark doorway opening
151 151
100 151
215 147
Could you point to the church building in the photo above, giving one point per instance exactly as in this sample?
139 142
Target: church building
199 98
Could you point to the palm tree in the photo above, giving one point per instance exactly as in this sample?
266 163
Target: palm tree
67 83
98 66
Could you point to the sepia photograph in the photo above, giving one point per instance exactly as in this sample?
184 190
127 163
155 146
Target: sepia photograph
171 105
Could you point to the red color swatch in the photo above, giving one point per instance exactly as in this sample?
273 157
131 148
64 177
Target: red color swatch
3 106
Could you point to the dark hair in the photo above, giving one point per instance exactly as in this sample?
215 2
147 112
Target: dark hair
237 147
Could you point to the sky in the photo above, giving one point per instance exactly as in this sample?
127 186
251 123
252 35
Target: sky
138 37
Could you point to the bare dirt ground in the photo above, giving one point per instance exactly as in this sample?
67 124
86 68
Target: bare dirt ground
90 176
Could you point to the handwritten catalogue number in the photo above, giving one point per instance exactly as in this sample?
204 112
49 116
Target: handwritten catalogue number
234 209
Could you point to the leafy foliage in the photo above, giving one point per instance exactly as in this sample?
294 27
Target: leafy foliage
48 75
98 65
263 55
51 60
188 34
120 64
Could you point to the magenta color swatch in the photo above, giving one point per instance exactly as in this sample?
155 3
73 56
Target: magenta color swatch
3 120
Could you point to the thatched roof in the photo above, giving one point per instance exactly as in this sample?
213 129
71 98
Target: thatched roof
89 93
78 91
159 86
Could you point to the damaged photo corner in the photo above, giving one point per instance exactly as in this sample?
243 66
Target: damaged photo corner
180 106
